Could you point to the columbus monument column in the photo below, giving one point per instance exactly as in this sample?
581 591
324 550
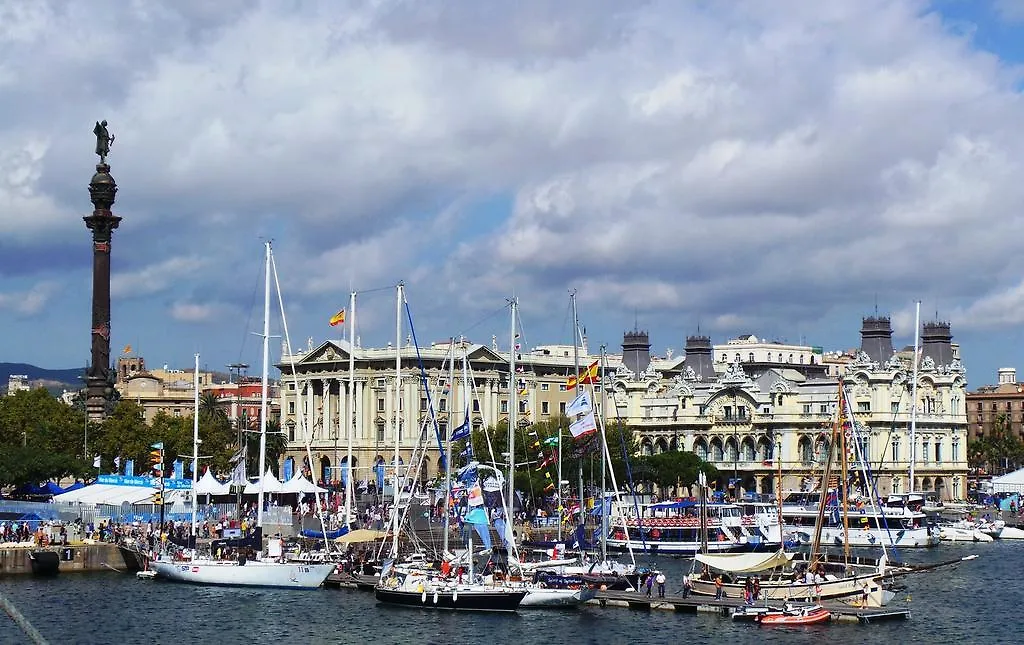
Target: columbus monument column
102 190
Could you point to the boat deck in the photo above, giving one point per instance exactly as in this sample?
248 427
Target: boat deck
704 604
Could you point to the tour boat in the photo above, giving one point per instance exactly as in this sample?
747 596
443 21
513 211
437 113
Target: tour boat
899 522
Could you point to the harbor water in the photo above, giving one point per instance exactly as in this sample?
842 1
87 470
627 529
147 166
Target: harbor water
976 602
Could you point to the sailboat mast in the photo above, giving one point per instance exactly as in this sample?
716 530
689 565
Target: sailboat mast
513 409
576 367
350 406
604 466
913 399
448 441
195 444
844 486
264 389
398 405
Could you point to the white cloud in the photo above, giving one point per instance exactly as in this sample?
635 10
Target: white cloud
192 312
725 162
157 277
30 302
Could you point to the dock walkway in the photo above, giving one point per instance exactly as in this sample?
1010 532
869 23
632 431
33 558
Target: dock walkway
706 604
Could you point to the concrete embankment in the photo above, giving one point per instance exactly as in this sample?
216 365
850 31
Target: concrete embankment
73 557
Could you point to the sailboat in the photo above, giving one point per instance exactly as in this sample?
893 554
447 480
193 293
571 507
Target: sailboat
781 576
414 587
242 571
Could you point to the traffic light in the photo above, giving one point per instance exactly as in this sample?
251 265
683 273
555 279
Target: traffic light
158 498
156 459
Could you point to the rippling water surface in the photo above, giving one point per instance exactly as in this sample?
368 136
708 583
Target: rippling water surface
977 602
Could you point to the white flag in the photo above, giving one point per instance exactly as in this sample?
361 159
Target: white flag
117 462
584 426
96 461
580 405
238 474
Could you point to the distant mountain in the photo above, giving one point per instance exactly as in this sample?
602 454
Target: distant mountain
53 380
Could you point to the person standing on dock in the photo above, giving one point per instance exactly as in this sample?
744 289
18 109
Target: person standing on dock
649 583
719 588
661 584
687 585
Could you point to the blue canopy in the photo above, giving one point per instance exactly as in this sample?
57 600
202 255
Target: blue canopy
318 535
49 488
74 486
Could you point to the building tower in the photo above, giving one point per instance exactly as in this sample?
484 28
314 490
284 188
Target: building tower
699 357
936 342
102 191
636 351
876 338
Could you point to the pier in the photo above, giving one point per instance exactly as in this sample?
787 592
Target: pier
841 612
101 556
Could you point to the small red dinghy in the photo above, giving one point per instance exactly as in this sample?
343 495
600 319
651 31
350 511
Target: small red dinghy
801 616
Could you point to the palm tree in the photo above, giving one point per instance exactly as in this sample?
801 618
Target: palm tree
210 407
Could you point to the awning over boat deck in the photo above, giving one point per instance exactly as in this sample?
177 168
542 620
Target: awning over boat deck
745 562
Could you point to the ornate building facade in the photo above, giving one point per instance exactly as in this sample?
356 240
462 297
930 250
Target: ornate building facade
749 417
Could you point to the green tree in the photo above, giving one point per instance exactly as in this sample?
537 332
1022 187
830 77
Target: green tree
1000 451
40 439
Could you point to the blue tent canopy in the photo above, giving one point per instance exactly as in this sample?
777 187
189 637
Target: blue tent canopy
49 488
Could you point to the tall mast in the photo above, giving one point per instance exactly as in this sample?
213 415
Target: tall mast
913 399
448 440
264 389
513 409
576 367
604 451
845 480
195 444
350 406
398 405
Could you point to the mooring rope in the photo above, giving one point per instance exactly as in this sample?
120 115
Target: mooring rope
21 621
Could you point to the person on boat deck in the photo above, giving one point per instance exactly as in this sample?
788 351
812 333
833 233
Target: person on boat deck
757 587
748 590
446 568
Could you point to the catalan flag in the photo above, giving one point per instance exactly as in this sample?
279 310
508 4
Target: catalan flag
338 318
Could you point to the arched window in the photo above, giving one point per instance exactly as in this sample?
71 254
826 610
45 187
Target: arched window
804 447
700 448
750 357
717 454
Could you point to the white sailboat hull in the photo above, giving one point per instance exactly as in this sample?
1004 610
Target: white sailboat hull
799 591
251 574
537 597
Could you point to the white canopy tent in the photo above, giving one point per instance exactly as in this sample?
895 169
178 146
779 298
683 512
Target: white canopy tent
270 485
299 484
116 495
208 485
1009 483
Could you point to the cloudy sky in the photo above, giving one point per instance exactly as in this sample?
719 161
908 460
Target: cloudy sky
759 167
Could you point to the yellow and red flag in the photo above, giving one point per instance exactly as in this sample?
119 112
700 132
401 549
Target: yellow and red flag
588 375
338 318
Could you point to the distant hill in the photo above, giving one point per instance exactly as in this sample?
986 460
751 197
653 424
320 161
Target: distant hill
53 380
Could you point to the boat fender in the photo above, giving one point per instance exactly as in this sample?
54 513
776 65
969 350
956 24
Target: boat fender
435 597
423 598
455 595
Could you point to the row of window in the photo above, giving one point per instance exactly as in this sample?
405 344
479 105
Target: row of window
769 358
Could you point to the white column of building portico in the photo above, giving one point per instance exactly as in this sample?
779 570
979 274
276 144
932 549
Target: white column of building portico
326 434
490 402
360 437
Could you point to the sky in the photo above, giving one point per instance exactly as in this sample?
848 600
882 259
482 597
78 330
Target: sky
764 167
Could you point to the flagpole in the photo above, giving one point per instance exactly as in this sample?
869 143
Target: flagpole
351 405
